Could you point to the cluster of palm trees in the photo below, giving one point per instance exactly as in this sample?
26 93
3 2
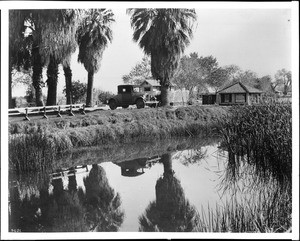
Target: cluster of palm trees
48 38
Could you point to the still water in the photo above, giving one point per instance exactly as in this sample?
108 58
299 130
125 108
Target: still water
163 190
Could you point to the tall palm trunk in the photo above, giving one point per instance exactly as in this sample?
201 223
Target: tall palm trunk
165 100
89 94
52 73
37 82
68 78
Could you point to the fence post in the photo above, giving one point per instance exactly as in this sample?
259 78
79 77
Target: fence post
58 112
26 115
83 109
71 113
45 116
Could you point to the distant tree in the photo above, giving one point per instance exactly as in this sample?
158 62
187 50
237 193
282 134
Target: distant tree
194 72
188 75
163 34
104 96
78 91
218 78
247 77
93 36
265 84
140 72
283 79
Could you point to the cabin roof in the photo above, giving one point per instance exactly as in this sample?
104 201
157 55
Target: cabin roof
239 88
150 82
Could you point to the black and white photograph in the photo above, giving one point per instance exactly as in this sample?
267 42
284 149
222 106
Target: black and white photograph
161 120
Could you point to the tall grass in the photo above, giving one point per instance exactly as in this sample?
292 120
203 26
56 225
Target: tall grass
259 144
34 145
260 210
31 152
261 136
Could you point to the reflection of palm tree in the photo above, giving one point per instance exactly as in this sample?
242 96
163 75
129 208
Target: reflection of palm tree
102 205
64 210
171 211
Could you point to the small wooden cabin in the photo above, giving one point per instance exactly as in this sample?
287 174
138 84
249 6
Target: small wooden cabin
238 93
150 86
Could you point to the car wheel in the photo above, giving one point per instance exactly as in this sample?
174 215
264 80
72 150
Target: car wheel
112 104
125 106
140 104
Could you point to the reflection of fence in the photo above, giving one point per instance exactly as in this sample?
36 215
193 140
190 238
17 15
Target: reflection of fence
69 172
58 109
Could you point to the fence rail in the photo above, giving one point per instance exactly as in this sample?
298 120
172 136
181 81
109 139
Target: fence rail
26 111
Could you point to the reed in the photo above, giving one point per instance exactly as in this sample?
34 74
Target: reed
260 211
34 145
262 137
31 152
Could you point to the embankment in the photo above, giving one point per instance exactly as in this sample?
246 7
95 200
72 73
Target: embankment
42 139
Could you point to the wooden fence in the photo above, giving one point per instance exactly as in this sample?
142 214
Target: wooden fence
44 110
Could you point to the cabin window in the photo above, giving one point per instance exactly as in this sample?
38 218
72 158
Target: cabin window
147 88
227 98
240 98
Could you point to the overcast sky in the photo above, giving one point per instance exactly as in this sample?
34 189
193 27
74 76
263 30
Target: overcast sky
252 38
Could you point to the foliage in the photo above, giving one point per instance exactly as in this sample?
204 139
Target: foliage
104 96
31 152
78 91
139 73
163 34
265 84
263 134
171 211
200 72
283 79
259 210
104 128
190 73
103 205
93 36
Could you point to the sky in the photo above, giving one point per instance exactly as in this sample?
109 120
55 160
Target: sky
257 39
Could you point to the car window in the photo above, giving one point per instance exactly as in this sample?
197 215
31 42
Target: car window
136 89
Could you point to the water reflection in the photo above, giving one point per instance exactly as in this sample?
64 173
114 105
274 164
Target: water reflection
103 206
136 167
150 191
171 211
70 209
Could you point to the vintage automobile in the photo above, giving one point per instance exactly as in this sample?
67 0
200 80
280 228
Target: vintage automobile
131 95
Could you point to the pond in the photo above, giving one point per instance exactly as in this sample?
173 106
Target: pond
166 186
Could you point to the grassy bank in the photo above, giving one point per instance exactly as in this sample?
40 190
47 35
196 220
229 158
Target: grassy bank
104 128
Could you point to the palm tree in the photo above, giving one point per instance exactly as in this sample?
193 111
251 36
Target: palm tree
163 34
54 34
93 36
19 46
171 212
